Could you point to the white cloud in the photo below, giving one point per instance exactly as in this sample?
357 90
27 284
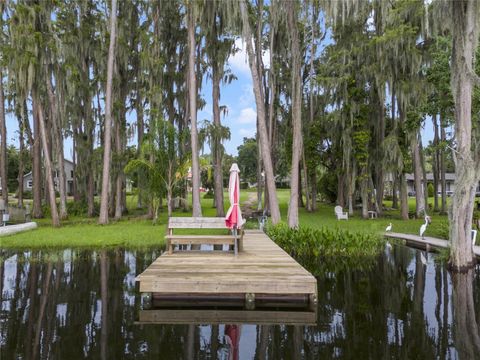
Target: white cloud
247 116
239 61
250 132
247 98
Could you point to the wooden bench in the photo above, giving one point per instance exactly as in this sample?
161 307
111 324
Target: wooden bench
234 239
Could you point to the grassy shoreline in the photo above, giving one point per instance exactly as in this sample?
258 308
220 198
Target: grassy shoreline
134 231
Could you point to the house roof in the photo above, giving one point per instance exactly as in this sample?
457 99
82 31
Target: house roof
448 177
410 177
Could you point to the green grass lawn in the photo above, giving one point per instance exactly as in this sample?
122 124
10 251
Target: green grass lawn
136 231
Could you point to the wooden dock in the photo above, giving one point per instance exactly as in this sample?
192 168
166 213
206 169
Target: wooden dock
427 242
261 270
215 317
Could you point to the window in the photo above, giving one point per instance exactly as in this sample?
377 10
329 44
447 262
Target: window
30 184
71 174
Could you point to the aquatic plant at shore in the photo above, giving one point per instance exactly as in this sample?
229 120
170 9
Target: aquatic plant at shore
327 248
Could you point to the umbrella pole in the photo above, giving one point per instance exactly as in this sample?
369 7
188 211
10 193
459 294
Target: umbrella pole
235 247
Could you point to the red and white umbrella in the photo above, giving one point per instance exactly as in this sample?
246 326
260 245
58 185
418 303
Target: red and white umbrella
233 219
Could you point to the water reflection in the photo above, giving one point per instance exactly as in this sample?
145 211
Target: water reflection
84 304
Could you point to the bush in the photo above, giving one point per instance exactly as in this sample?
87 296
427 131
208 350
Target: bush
324 249
27 194
328 187
244 185
80 208
208 195
430 190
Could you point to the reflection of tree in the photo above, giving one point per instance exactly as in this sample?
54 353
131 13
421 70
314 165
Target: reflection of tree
104 297
43 305
363 312
466 329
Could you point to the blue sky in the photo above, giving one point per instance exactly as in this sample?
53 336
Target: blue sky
238 97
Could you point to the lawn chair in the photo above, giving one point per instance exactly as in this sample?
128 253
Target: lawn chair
340 214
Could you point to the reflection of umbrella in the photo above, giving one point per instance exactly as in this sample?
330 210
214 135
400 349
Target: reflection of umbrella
233 219
232 335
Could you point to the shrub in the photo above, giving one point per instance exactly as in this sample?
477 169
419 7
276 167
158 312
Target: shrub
244 185
430 190
208 195
80 208
27 194
328 187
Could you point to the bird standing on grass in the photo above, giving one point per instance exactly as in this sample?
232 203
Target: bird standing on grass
389 228
424 226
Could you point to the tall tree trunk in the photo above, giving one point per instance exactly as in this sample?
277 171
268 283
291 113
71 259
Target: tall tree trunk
260 177
424 173
217 148
467 164
436 161
379 173
37 165
140 133
443 170
119 171
403 197
58 146
296 112
22 119
48 165
103 218
3 145
420 209
192 91
262 128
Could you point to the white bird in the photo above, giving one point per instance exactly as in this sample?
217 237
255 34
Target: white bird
389 227
423 259
424 226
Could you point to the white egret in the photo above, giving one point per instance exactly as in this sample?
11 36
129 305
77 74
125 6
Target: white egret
389 228
424 226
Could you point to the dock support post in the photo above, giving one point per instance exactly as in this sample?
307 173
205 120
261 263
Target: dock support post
250 301
146 300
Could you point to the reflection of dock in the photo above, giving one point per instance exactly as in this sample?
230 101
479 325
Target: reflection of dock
262 269
205 316
426 243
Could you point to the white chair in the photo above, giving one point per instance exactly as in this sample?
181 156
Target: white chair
340 214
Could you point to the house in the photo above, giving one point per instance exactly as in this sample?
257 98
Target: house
449 184
69 177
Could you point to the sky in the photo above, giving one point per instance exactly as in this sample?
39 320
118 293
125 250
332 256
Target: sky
237 96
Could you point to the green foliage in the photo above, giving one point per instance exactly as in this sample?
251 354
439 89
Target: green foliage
328 186
331 247
209 194
80 208
13 157
247 159
430 190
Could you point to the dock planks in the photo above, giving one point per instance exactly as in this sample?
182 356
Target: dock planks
261 268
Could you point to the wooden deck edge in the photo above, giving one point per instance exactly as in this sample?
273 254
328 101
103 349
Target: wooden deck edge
216 317
427 241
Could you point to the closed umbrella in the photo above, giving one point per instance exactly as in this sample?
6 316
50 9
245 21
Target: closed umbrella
233 219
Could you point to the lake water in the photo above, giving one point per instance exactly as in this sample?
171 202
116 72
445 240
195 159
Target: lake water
76 304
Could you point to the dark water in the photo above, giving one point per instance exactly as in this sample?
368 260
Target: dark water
81 304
